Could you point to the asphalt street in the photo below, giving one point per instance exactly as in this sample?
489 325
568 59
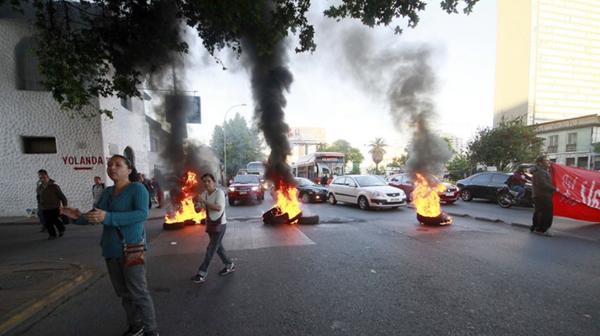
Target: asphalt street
356 273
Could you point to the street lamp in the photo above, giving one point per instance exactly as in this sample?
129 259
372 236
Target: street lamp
225 140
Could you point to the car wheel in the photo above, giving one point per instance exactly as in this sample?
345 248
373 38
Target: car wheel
331 199
231 202
466 195
363 203
305 198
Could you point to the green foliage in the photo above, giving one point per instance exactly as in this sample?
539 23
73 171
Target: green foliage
398 162
243 144
377 152
109 47
459 167
352 154
512 142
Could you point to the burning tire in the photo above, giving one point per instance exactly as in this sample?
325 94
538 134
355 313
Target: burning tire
173 226
308 220
440 220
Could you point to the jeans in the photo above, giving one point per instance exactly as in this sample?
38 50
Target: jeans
131 286
542 215
520 189
51 220
214 245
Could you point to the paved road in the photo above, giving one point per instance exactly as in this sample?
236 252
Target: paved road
358 273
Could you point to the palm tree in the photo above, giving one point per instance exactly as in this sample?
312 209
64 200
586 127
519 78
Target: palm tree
377 151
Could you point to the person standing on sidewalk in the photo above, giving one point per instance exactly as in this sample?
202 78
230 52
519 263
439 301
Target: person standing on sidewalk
97 190
122 210
542 197
213 200
50 200
40 213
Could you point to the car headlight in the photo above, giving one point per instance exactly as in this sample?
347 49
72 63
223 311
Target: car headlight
231 189
377 194
254 188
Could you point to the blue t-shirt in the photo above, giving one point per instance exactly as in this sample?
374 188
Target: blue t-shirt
127 211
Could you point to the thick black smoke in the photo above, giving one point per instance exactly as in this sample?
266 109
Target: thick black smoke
270 78
405 78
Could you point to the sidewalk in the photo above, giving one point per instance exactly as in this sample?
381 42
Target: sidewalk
31 288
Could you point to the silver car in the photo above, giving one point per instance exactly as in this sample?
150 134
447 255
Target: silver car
368 191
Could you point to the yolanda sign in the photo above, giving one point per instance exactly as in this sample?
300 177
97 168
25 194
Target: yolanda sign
578 195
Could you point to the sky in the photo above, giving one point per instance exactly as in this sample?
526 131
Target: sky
324 94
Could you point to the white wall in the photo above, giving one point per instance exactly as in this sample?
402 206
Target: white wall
35 113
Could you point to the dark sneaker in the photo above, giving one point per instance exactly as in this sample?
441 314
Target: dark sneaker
134 331
199 278
228 269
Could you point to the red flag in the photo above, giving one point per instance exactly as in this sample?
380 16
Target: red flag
578 195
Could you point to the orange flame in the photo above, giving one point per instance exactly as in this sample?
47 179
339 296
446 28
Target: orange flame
186 210
287 200
426 198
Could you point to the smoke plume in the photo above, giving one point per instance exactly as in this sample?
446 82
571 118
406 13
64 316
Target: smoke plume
405 78
270 78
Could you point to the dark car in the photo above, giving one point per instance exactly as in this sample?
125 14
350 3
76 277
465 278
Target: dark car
404 182
308 191
245 188
482 185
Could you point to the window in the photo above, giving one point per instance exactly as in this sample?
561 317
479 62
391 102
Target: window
482 179
582 162
153 144
39 145
571 142
553 144
350 182
339 180
126 103
570 162
499 178
29 76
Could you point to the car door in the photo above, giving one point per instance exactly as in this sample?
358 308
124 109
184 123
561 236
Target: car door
338 186
352 190
479 184
498 180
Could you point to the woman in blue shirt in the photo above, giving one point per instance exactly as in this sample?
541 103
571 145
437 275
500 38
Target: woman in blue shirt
123 207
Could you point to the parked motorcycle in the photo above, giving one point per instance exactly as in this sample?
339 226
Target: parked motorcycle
507 197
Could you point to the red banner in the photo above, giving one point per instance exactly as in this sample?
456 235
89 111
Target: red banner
578 195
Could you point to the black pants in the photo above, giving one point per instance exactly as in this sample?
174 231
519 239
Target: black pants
542 216
51 219
215 245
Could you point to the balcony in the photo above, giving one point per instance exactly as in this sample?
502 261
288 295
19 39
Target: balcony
571 148
552 149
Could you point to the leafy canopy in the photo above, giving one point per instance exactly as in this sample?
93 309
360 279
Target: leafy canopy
108 47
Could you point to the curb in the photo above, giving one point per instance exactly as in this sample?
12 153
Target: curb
57 295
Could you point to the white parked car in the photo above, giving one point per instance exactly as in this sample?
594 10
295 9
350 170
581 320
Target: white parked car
368 191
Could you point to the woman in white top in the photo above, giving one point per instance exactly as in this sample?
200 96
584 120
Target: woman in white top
213 201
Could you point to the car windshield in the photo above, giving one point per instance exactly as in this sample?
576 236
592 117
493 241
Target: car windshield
369 181
304 182
245 179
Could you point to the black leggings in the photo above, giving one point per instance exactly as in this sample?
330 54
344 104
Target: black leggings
542 215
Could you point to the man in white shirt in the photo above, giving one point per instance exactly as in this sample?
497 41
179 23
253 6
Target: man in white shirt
213 200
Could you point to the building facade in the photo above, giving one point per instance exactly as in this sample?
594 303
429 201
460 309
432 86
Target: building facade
36 134
547 60
573 142
304 141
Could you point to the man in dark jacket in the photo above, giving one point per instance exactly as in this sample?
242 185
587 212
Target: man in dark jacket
50 198
542 197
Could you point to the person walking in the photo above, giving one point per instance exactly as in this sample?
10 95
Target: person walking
542 197
158 193
39 211
213 200
50 200
122 210
97 190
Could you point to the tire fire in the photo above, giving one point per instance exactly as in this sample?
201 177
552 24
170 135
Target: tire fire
286 209
426 200
185 212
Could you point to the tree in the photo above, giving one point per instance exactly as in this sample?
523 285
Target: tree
459 166
243 144
510 143
351 154
109 47
398 162
377 151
